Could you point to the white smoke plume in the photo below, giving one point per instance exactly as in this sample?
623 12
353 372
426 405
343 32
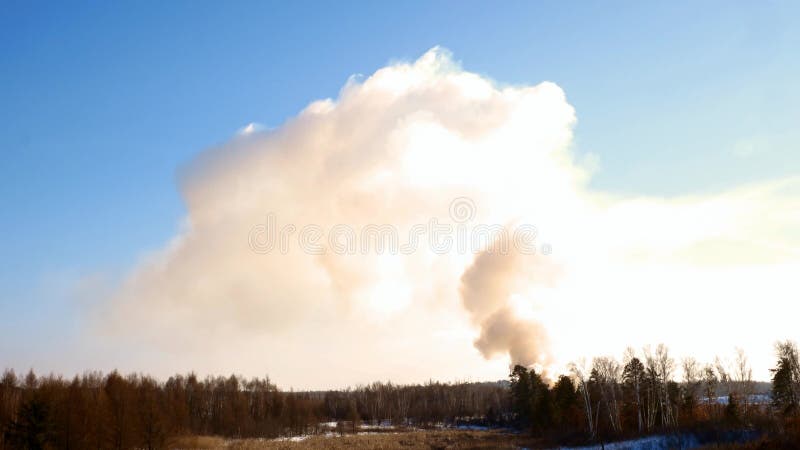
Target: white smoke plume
397 148
487 288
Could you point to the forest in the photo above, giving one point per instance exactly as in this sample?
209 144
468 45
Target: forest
646 393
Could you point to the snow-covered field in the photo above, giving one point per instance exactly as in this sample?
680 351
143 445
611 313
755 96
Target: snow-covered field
386 428
667 442
383 427
647 443
755 399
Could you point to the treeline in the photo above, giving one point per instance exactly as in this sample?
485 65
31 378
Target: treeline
122 412
601 401
608 399
112 411
425 405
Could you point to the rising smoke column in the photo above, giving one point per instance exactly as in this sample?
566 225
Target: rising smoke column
487 287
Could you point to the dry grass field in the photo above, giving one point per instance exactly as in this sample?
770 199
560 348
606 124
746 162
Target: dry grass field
408 440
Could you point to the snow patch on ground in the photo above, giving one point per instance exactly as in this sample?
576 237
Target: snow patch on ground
646 443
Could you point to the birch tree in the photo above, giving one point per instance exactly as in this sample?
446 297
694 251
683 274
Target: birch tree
692 379
578 371
609 374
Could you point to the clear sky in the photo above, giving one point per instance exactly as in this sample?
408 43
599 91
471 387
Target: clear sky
103 103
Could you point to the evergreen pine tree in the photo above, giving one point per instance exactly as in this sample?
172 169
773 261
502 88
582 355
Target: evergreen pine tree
521 394
783 394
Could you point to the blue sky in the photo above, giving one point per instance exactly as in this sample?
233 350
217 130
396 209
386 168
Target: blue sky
103 102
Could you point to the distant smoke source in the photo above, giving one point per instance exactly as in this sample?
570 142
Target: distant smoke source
486 289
